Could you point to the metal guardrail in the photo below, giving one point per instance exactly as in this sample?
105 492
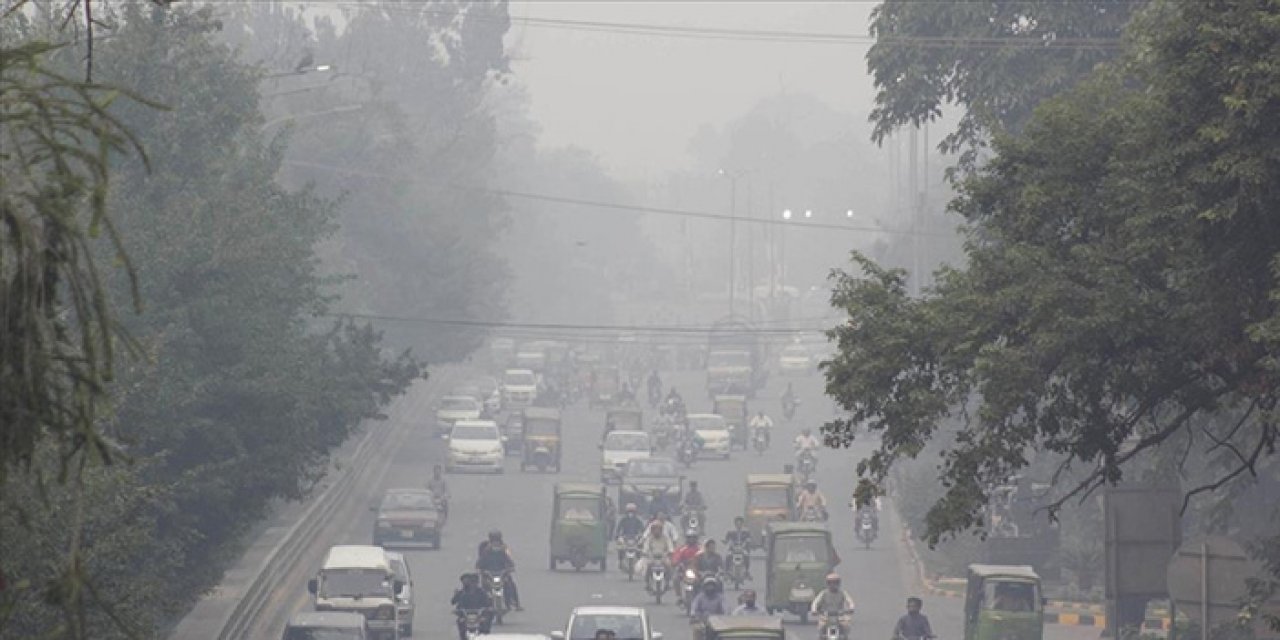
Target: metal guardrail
242 618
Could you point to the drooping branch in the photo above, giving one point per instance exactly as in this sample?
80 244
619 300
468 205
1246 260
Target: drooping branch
1266 443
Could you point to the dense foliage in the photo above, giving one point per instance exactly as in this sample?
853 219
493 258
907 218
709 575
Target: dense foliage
1121 293
240 391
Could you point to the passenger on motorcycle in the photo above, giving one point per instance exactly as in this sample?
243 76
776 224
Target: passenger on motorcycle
914 625
708 602
811 499
472 597
494 557
668 528
630 527
739 536
747 605
832 602
687 552
761 423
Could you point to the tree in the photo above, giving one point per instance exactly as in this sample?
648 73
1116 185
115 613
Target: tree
995 60
1120 294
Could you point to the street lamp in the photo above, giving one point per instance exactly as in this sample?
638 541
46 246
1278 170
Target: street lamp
786 214
808 213
849 214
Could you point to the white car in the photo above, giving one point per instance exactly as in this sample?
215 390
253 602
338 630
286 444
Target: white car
519 388
476 445
452 409
404 599
627 623
795 360
714 432
619 448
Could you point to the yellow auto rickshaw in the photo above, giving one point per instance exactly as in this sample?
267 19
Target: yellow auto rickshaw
579 530
541 439
1003 602
734 410
744 628
770 498
799 558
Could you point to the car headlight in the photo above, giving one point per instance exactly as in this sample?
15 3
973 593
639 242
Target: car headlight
690 575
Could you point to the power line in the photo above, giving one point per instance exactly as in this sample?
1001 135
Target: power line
558 326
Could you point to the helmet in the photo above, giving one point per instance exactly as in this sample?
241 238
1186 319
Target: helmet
833 577
710 581
469 577
495 536
737 519
691 536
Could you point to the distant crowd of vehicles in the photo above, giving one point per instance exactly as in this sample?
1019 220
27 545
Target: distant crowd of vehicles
653 526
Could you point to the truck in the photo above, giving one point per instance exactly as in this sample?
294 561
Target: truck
735 359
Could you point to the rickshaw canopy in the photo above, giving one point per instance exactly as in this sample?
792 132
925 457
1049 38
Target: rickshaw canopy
1003 571
753 626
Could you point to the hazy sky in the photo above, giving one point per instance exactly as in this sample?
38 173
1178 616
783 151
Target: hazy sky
635 100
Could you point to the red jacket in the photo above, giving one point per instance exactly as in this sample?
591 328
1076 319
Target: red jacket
685 554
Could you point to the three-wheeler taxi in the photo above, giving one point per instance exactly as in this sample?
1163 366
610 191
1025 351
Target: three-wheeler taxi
744 628
734 410
606 382
579 529
541 439
799 558
1003 603
770 498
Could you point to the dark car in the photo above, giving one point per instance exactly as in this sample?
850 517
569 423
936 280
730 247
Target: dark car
407 518
653 484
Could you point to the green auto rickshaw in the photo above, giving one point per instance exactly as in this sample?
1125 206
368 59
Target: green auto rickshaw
579 527
800 557
744 628
770 498
1003 603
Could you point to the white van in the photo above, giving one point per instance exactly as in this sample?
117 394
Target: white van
359 579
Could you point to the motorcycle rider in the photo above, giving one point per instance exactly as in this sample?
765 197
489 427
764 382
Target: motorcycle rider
708 562
811 498
494 557
739 536
693 498
656 546
472 597
763 424
914 625
439 488
788 399
832 602
868 512
747 605
687 552
668 528
626 395
655 384
629 527
806 441
708 602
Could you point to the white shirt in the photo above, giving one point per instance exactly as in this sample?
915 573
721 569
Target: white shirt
809 443
761 422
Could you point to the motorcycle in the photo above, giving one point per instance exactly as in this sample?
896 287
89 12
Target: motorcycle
687 452
688 587
657 579
807 465
661 435
630 556
760 439
866 531
737 562
812 514
692 520
835 627
472 621
495 585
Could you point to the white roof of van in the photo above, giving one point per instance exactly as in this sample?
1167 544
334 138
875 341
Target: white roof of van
356 556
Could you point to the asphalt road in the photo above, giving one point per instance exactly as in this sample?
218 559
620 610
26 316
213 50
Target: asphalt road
519 504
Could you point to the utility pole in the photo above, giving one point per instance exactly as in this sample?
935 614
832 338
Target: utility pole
751 257
733 238
913 190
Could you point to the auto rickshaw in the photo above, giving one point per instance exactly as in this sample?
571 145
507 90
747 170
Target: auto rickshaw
744 628
734 410
1003 602
579 531
800 557
513 429
624 419
605 384
770 498
541 439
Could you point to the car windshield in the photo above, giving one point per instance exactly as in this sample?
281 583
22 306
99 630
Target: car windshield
1009 596
651 468
522 379
583 509
706 423
728 359
459 404
354 582
767 498
318 633
800 549
399 568
541 427
474 432
408 501
624 627
627 442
